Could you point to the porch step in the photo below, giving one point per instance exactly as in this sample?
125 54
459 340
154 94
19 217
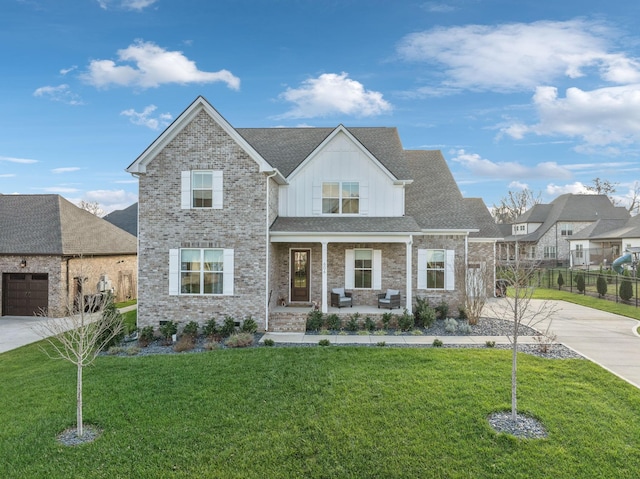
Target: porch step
288 322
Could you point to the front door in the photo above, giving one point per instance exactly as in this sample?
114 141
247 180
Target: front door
300 260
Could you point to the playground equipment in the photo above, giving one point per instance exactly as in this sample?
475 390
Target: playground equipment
630 256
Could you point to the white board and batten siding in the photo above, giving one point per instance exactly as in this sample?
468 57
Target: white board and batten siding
341 160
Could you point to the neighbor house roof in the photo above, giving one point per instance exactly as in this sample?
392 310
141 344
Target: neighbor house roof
610 230
51 225
569 208
434 199
126 219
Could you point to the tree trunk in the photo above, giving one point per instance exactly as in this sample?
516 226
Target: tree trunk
514 372
79 426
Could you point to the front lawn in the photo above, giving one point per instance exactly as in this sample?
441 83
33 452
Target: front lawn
315 412
628 310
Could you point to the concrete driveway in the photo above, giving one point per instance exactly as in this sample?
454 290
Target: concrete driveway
607 339
16 331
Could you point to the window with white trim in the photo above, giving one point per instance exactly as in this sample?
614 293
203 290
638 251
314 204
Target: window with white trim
566 229
579 250
363 268
549 252
202 189
341 197
201 271
436 269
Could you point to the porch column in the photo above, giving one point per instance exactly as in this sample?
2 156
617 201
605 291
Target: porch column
325 307
409 283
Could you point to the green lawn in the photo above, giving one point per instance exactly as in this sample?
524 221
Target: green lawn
316 412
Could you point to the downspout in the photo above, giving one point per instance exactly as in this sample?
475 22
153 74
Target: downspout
267 294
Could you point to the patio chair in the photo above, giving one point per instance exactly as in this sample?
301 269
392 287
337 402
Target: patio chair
390 299
340 298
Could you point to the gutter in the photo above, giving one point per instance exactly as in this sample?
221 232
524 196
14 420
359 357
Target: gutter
267 294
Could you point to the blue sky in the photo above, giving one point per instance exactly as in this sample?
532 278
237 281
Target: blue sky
541 94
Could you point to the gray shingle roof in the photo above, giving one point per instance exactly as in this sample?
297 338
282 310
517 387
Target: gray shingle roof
610 230
485 222
569 208
49 224
126 219
433 198
286 148
324 224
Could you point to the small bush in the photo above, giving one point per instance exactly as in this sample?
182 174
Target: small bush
626 289
211 345
490 344
417 332
381 344
191 330
353 324
386 319
464 328
560 280
334 322
110 311
239 340
450 325
228 327
145 336
380 332
369 324
601 285
324 332
442 310
424 314
406 321
462 313
249 325
324 342
580 282
436 343
185 343
211 329
269 342
314 320
168 329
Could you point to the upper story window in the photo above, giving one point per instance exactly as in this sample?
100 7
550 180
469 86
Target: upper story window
566 229
341 197
202 189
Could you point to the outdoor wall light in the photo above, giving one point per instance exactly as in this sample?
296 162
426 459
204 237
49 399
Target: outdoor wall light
23 263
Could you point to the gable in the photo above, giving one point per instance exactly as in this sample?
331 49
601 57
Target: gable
139 166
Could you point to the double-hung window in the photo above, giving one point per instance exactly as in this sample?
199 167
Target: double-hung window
549 252
363 268
341 197
202 189
566 229
201 271
436 269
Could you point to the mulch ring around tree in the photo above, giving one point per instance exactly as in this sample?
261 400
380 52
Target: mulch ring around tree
69 437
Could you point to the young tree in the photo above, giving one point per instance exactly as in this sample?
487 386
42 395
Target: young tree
80 336
518 306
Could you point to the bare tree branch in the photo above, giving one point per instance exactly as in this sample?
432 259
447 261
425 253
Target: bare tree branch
514 205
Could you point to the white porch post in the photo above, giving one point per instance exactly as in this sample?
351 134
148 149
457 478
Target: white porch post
325 307
409 276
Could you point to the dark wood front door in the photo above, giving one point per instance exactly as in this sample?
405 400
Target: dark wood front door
24 294
300 261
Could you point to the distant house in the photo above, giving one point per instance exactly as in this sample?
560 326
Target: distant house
265 222
126 219
51 250
604 241
543 231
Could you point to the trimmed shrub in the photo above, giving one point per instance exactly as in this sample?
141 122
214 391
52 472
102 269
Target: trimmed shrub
425 315
406 321
601 285
334 322
580 282
211 329
436 343
249 325
269 342
442 310
386 319
353 324
191 330
626 289
145 336
560 280
228 327
168 329
324 342
314 320
450 325
369 324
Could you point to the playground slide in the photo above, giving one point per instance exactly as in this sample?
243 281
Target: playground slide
618 262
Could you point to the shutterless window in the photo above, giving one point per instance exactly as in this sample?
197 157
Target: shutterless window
435 268
549 252
566 230
202 189
201 271
363 268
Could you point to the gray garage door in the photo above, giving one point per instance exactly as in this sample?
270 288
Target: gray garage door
24 294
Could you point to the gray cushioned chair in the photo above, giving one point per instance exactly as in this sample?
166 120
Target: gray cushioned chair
390 299
341 298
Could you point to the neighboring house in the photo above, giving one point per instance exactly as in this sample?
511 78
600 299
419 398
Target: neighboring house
603 242
48 244
239 221
542 232
126 219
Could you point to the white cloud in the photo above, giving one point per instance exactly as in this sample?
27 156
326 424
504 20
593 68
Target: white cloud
127 4
331 94
516 56
146 65
23 161
435 7
7 175
599 118
61 93
483 167
518 185
575 188
61 190
64 71
67 169
145 117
